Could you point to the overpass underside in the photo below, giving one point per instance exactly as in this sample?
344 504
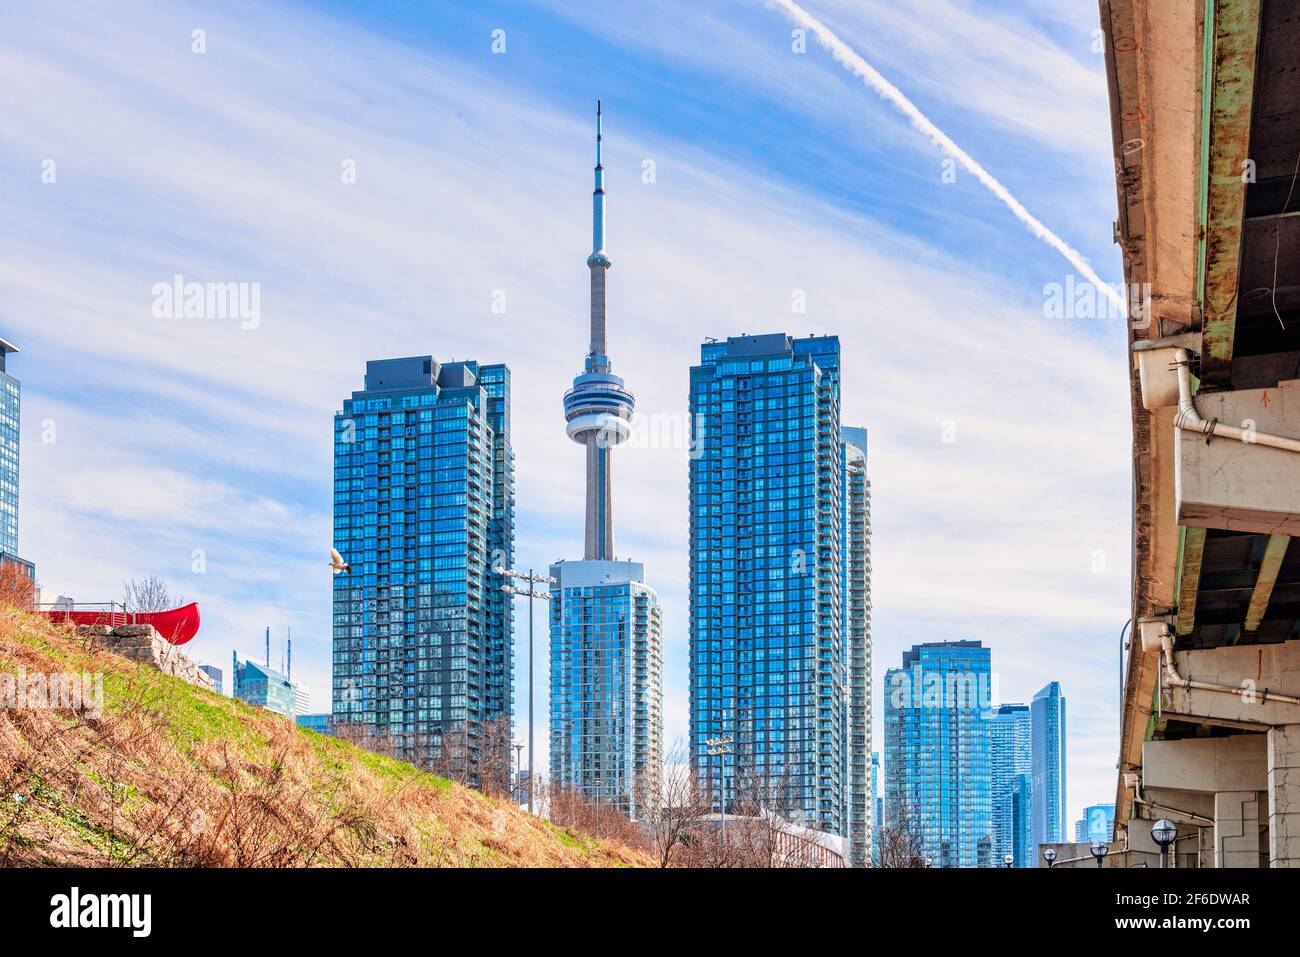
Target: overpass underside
1205 101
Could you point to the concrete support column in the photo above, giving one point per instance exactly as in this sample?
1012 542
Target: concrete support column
1236 828
1284 795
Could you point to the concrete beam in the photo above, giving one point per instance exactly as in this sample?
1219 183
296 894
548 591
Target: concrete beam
1271 564
1241 485
1236 763
1257 670
1191 553
1229 56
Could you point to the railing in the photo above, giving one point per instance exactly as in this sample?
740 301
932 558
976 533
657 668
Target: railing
112 612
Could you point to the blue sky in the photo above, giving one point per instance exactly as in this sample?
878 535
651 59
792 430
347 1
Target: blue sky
774 172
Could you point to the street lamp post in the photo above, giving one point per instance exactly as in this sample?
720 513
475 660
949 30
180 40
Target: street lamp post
1008 860
1049 855
1099 850
529 579
1165 832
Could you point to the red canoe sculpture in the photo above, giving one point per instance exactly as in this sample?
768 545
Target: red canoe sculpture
176 625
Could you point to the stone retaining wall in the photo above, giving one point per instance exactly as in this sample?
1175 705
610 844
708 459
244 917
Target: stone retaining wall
143 644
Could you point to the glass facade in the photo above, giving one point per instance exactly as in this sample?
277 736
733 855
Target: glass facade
606 683
1009 740
767 655
1048 725
260 686
10 407
859 815
938 777
1097 824
423 512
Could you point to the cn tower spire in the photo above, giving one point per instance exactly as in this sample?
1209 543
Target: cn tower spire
598 262
598 407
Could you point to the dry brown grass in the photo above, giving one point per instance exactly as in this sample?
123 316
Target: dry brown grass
171 775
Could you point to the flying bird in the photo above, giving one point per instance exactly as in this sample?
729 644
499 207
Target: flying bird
337 563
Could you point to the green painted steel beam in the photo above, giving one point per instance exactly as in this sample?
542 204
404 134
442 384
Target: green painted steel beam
1269 566
1231 49
1191 551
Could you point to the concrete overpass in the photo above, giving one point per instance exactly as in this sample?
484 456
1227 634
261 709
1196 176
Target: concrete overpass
1205 111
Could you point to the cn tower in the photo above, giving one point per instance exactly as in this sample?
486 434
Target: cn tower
598 408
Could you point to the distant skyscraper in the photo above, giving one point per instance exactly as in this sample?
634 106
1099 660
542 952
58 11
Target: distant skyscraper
606 629
423 511
213 672
1047 720
938 779
1097 823
859 812
261 686
10 409
768 657
1010 755
1022 831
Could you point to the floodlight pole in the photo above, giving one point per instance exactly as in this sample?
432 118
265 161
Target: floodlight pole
528 592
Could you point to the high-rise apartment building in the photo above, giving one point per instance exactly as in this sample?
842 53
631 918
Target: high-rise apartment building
424 513
938 778
10 409
859 813
1009 743
1097 824
1047 720
768 671
606 629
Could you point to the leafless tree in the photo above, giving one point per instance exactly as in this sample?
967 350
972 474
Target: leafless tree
899 841
16 587
476 755
148 594
570 808
674 811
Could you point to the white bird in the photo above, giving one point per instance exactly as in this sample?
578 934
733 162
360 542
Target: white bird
337 563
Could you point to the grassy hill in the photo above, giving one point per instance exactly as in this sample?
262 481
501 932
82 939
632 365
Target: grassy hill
172 775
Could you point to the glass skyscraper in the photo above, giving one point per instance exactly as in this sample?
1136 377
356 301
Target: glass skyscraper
606 631
938 777
1048 724
606 682
1009 741
1097 824
10 407
767 642
423 512
859 814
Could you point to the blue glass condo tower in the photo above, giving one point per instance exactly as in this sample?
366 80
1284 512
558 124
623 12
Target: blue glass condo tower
10 407
1009 740
1047 717
938 778
423 511
767 616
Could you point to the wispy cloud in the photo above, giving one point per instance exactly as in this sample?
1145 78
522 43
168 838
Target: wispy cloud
895 97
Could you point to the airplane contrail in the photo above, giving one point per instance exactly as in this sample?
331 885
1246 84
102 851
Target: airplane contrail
922 123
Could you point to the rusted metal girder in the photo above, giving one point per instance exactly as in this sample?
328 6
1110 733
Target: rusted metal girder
1269 566
1231 47
1189 577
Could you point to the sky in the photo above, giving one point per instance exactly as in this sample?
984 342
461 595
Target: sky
414 179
